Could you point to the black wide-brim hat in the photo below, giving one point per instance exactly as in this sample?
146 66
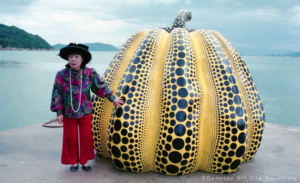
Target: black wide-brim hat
72 47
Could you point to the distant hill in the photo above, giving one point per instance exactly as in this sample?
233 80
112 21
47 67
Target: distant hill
13 38
92 47
295 54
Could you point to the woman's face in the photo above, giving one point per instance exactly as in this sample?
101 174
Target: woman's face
75 61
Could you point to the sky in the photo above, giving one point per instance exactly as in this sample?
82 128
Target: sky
252 26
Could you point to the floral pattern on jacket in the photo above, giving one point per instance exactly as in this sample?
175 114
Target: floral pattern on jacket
61 98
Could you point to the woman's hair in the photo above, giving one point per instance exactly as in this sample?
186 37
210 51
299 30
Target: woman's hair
83 64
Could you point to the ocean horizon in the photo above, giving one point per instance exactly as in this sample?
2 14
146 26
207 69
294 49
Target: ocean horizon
27 79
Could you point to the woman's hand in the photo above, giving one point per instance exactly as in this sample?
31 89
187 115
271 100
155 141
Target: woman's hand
60 119
118 102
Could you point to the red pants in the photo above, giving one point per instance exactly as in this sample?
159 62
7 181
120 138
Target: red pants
70 149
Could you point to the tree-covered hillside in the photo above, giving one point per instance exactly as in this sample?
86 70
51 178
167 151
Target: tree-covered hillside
13 37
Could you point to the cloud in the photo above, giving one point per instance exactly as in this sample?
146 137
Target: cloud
14 6
244 23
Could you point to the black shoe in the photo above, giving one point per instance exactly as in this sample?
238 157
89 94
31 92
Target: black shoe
87 168
73 168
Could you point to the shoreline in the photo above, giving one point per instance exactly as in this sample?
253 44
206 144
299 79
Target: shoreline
27 49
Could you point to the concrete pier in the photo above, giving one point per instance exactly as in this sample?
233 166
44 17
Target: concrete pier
32 154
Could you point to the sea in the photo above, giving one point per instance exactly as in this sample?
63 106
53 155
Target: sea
27 77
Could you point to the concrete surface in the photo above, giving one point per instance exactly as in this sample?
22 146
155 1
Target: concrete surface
32 154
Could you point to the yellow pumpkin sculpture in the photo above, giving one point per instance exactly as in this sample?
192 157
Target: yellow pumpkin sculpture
190 104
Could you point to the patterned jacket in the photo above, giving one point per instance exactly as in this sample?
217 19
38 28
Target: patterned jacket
91 80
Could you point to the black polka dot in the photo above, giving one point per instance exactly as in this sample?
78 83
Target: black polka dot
186 155
182 104
235 89
188 147
125 89
125 124
175 157
181 48
169 138
228 160
123 148
242 138
174 107
172 169
180 42
180 62
225 61
181 54
237 100
240 151
129 78
241 124
239 111
261 106
181 81
136 60
119 112
173 122
178 143
179 71
174 100
164 160
233 146
125 157
125 140
182 92
232 79
116 138
117 125
132 69
235 164
228 70
174 93
139 53
225 167
168 147
232 116
181 116
126 115
124 132
118 163
116 152
179 130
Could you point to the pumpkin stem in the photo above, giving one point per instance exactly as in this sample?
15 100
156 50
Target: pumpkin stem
181 18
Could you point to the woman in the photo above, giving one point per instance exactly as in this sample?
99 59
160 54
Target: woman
71 100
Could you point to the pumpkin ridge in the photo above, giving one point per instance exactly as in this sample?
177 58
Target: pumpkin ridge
255 125
102 108
207 133
226 152
210 160
176 150
228 51
128 123
154 106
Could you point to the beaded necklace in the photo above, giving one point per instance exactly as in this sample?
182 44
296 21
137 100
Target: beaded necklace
79 94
